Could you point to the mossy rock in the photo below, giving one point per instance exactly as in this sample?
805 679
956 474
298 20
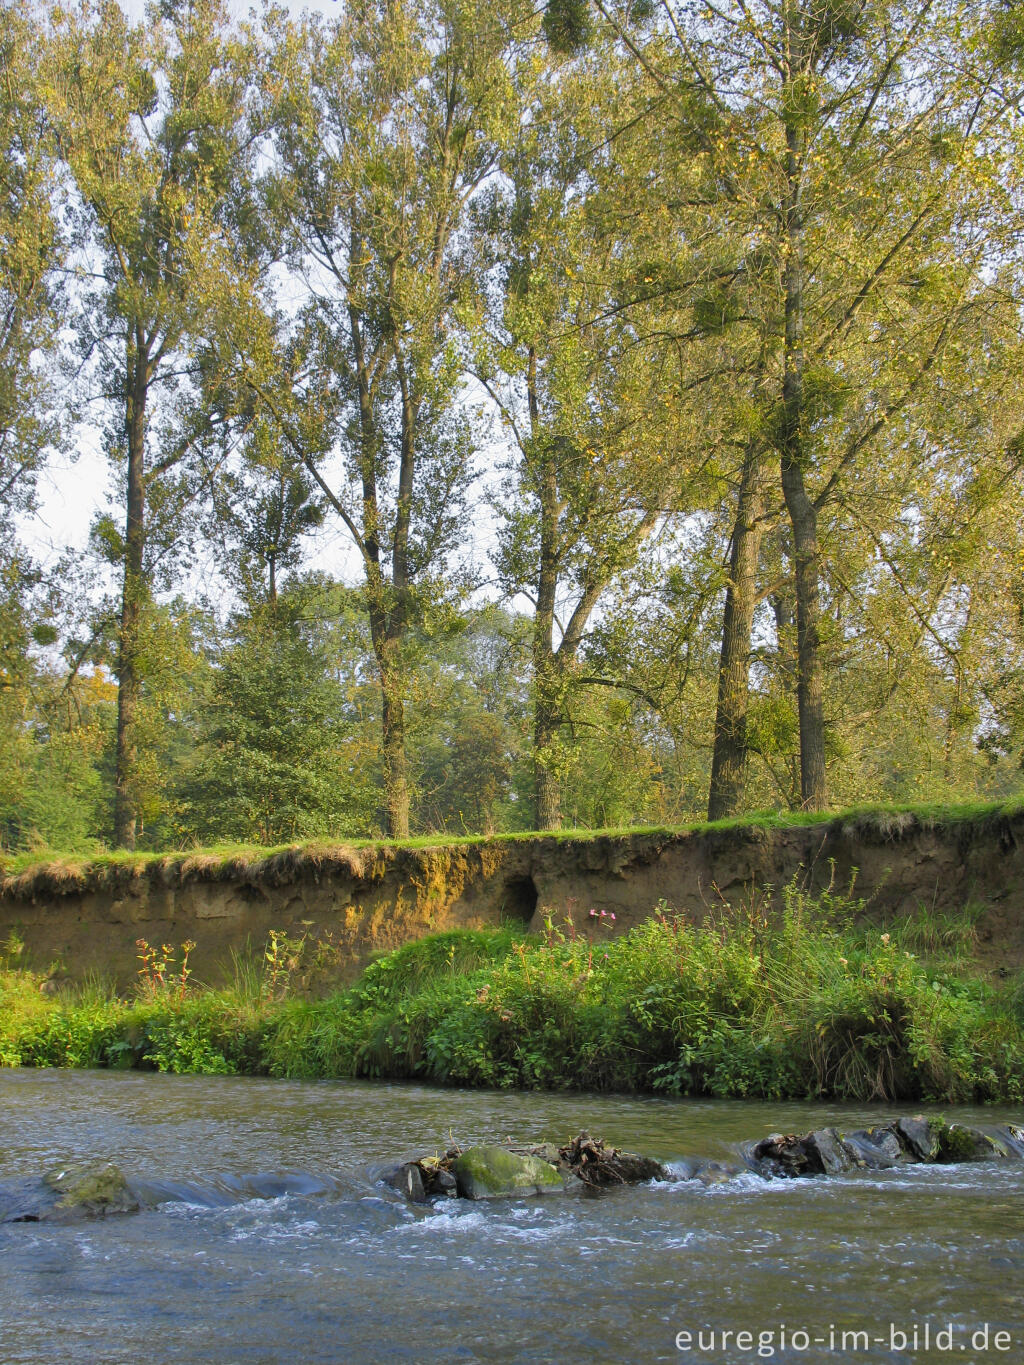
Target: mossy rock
89 1189
958 1143
498 1173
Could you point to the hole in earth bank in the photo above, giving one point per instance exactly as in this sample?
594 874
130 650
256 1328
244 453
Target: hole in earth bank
520 900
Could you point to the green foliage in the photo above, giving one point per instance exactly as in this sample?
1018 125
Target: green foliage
607 241
271 761
412 968
808 1001
30 253
55 734
181 1042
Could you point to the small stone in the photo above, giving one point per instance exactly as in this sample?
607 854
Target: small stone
444 1183
547 1151
407 1179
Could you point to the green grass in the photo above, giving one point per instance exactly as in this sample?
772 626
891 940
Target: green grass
225 858
810 1002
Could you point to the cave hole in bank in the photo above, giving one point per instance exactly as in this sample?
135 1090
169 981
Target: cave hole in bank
519 900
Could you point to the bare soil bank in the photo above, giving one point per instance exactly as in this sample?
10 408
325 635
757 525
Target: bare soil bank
88 918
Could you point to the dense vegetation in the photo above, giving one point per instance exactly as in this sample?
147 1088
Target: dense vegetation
516 416
811 1002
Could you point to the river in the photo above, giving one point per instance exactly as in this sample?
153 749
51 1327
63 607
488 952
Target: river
267 1240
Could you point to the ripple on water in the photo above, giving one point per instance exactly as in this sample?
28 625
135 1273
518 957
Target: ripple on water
325 1268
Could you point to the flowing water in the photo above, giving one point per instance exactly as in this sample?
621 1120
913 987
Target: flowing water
266 1239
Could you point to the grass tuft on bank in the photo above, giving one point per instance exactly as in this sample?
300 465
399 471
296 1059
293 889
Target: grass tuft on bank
809 1003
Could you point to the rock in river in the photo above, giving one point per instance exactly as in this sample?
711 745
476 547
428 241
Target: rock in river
498 1173
903 1140
918 1136
90 1189
959 1143
80 1189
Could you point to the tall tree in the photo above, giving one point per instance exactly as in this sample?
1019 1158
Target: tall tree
30 249
150 120
386 123
729 757
584 386
843 150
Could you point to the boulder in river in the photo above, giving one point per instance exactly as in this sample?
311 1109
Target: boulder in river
500 1173
876 1148
90 1189
904 1140
831 1150
407 1179
512 1170
794 1154
960 1143
421 1178
920 1138
78 1190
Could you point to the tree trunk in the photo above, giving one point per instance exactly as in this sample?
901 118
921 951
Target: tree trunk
810 690
802 512
129 681
784 610
547 703
547 787
396 778
729 762
387 607
547 694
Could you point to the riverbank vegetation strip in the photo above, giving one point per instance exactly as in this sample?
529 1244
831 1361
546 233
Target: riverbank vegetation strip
810 1001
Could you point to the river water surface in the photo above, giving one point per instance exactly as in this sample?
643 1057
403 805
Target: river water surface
268 1241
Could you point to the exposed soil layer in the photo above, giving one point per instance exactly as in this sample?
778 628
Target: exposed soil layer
87 919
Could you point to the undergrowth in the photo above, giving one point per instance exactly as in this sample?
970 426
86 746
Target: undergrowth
811 1001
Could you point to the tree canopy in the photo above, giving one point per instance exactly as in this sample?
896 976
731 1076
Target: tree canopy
594 416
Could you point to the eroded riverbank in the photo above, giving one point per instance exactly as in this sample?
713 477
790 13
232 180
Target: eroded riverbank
85 916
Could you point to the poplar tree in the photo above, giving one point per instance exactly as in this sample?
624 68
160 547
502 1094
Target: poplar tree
585 381
30 250
149 119
386 123
843 151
